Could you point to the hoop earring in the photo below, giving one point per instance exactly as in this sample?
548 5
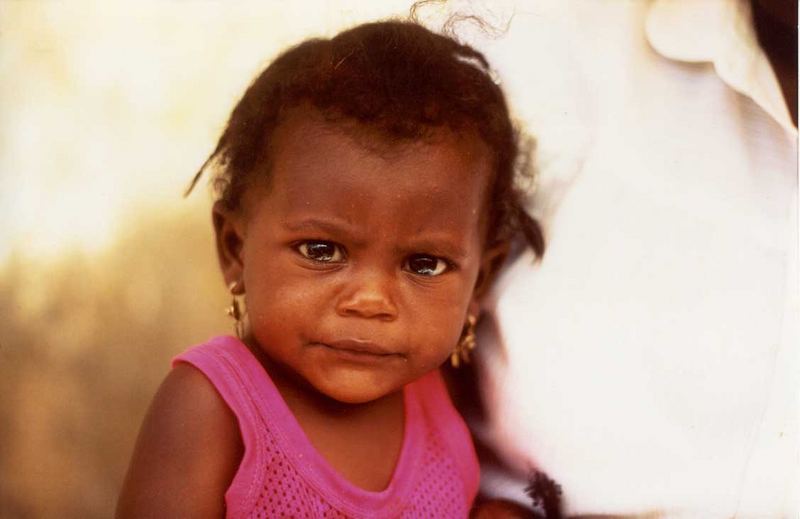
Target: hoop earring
466 344
235 310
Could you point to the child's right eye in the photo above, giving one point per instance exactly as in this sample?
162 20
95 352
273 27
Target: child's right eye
322 251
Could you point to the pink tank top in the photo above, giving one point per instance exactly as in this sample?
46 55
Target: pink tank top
282 475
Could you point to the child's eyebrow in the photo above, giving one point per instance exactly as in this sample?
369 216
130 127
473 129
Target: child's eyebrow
435 245
332 227
431 243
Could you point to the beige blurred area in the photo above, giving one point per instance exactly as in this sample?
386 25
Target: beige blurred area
107 109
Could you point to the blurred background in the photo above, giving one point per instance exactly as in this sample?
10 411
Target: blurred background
107 109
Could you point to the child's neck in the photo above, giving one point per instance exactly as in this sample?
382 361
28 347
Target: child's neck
361 441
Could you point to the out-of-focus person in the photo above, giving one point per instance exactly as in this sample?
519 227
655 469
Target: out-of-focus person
649 362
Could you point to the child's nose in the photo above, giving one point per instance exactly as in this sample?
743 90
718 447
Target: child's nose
368 295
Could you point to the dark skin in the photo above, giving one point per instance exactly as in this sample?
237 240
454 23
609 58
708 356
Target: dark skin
174 472
776 26
330 257
331 425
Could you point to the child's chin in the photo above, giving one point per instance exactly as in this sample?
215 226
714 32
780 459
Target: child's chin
355 392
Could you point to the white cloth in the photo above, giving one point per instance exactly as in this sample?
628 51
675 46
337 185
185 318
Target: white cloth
649 363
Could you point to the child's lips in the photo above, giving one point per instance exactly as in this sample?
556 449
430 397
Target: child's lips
361 348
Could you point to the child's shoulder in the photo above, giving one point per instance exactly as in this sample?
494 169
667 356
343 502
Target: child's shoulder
223 349
173 472
236 375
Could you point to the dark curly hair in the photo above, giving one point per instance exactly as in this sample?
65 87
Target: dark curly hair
395 77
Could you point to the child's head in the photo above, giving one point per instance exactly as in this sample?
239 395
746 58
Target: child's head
366 195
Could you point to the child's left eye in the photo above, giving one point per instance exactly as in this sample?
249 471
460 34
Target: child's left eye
425 265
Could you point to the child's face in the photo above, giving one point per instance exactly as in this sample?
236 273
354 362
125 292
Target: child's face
359 267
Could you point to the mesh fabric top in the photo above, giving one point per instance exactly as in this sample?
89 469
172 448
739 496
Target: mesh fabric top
282 475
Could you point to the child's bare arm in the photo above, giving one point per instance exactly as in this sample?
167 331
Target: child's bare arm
187 452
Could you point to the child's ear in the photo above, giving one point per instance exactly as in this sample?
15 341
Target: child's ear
229 234
491 261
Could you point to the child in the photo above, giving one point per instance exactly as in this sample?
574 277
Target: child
365 199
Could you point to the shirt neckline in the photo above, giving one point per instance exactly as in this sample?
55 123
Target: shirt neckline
314 468
719 32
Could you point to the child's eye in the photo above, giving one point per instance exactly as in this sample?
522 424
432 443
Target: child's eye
425 265
322 251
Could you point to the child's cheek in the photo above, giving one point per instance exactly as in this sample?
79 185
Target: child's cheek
435 329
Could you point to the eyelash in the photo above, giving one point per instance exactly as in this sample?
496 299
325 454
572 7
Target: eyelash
441 265
303 249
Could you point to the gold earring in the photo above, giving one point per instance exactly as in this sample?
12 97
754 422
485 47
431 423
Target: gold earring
466 344
235 310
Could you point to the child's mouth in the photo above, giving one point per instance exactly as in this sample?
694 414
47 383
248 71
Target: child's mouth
360 350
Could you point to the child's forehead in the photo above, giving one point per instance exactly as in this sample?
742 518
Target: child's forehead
313 126
316 162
